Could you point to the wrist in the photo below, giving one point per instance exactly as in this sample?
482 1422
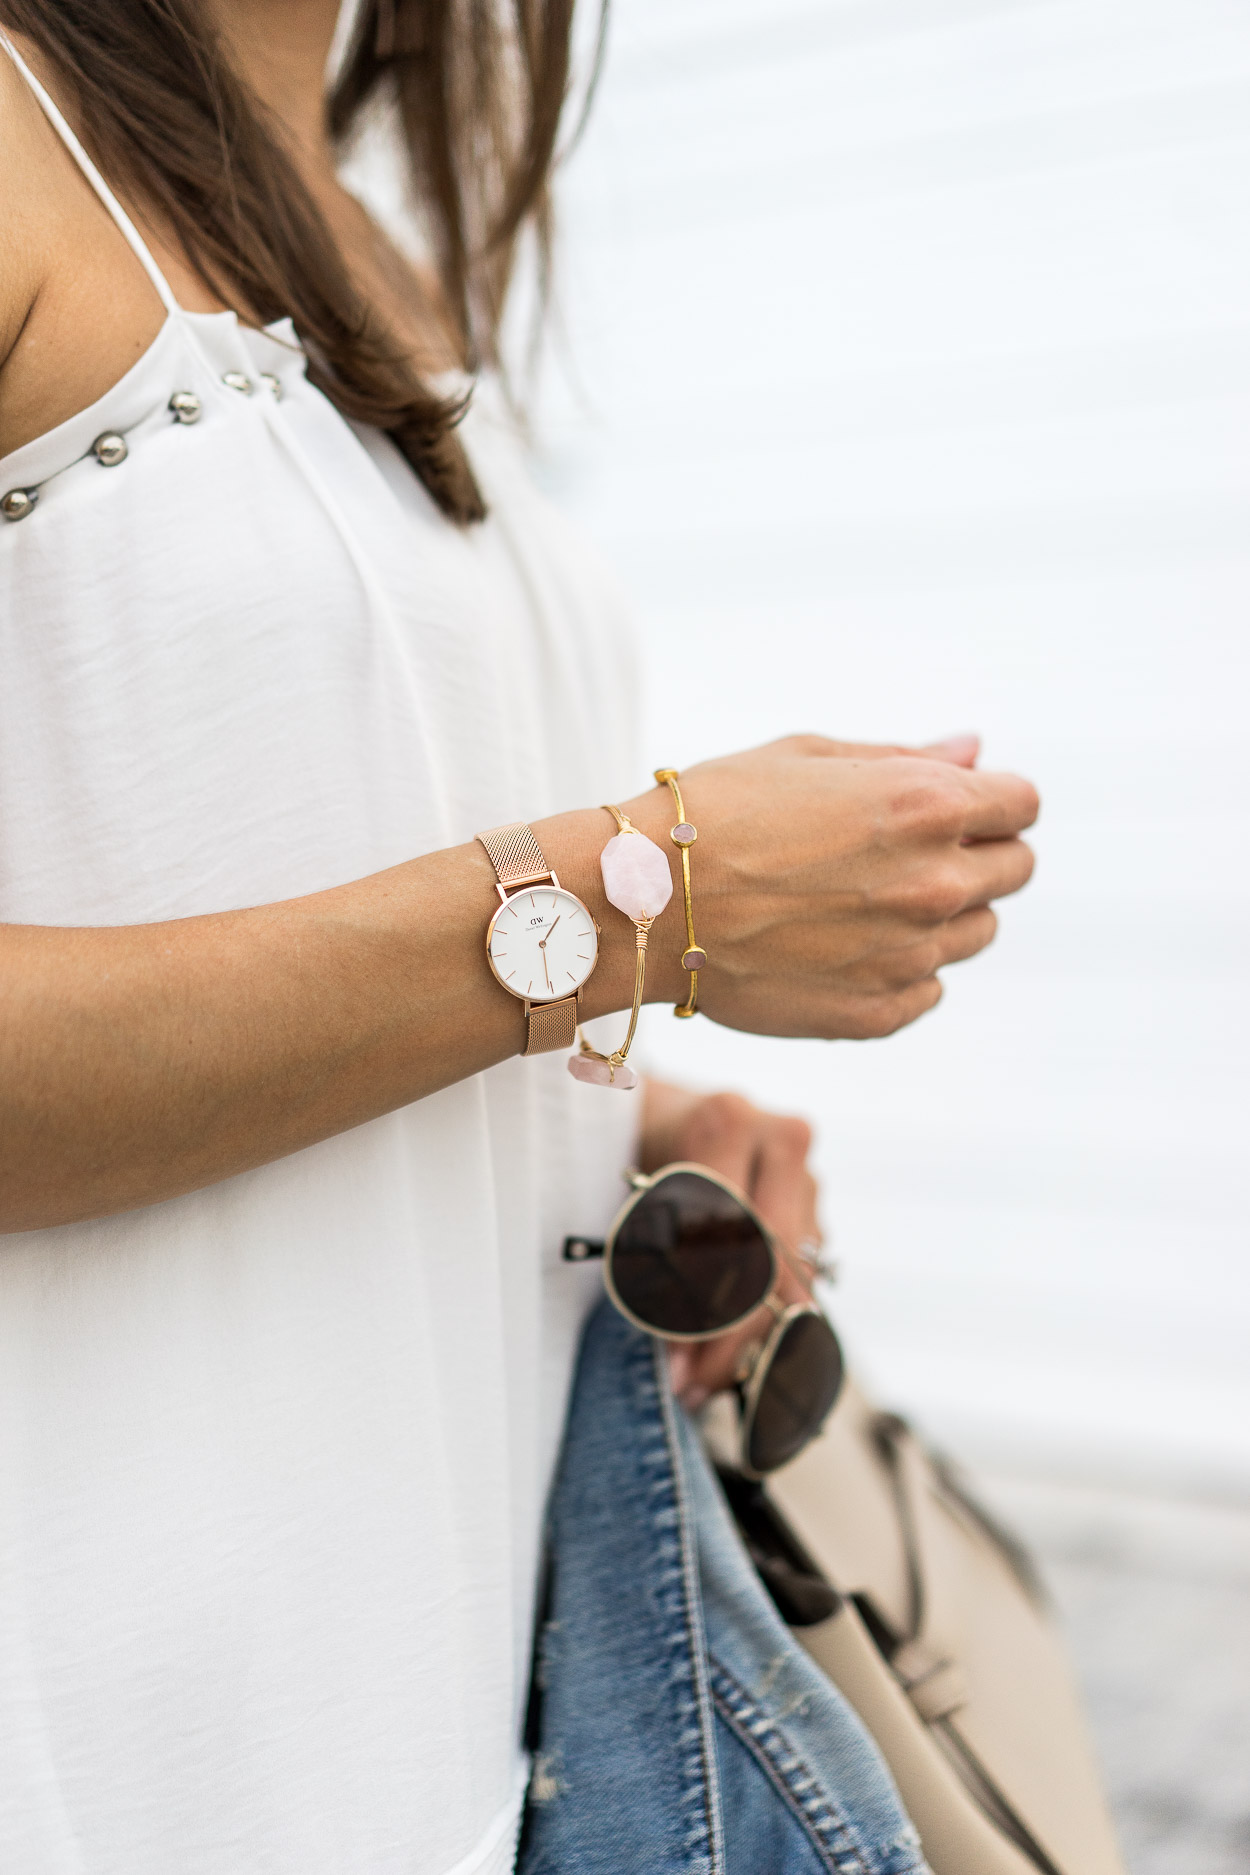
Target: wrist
658 813
573 843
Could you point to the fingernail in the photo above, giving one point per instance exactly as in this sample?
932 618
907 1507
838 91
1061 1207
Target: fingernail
680 1362
694 1398
962 748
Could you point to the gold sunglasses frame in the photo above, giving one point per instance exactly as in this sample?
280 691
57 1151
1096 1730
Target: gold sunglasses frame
759 1356
753 1376
644 1182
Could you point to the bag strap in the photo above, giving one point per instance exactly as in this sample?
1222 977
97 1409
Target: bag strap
804 1597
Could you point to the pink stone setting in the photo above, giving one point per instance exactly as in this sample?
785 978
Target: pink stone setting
636 875
600 1073
683 834
637 880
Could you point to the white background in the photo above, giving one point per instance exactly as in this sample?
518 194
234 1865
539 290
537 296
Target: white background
907 383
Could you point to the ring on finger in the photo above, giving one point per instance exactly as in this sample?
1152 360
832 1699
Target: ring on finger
810 1250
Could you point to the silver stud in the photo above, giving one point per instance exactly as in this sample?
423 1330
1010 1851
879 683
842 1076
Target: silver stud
110 449
185 406
237 382
274 385
17 504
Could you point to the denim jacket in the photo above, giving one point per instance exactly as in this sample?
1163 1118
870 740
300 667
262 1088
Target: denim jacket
677 1727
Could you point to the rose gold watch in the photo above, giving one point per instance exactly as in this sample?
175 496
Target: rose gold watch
542 942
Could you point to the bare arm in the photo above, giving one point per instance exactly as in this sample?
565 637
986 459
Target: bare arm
147 1060
140 1062
144 1061
22 265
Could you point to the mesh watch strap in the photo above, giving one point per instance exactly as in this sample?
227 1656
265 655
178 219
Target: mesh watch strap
515 854
551 1025
519 861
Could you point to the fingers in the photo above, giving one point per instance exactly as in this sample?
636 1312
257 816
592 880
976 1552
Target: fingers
912 962
870 1018
884 993
964 936
785 1194
942 887
825 746
782 1189
995 869
765 1154
680 1363
720 1133
665 1111
844 908
715 1365
961 751
997 806
822 1011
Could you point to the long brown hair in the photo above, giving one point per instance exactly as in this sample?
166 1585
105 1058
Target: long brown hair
480 86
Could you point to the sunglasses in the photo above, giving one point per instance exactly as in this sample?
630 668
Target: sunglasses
688 1258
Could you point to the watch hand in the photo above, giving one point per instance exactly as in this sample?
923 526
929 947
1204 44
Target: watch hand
542 945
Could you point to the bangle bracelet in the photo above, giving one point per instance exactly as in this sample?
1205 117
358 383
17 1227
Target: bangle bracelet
637 880
683 836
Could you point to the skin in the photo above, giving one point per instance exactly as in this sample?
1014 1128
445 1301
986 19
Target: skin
833 880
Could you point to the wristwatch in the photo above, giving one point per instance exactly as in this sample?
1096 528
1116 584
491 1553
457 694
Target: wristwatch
542 943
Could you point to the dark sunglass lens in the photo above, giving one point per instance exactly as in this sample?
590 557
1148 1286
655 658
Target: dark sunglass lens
797 1394
688 1259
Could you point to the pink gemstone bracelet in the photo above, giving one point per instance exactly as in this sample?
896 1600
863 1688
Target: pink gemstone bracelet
637 880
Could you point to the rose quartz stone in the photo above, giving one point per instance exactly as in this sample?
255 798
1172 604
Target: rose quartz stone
599 1073
636 877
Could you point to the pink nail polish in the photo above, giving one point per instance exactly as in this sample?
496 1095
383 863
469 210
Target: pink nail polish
960 748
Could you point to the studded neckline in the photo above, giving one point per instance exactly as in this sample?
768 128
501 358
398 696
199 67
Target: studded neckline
196 355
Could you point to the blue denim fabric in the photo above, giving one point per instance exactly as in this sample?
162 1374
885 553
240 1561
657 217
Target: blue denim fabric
679 1729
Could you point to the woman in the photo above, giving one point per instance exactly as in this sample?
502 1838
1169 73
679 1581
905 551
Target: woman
286 1333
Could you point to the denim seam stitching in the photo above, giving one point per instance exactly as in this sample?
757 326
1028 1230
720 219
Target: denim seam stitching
833 1838
756 1732
677 1588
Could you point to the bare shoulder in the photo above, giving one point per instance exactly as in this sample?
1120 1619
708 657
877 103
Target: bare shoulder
23 256
76 307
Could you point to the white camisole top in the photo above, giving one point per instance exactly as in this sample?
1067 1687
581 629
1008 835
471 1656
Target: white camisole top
273 1456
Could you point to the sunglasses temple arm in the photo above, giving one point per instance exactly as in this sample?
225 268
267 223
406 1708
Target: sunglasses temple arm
582 1249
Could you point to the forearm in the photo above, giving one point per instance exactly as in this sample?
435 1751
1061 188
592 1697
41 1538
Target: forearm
143 1061
140 1062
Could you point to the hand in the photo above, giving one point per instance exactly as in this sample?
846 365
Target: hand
765 1156
832 881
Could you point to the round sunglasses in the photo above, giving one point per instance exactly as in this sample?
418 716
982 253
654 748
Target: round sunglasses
688 1258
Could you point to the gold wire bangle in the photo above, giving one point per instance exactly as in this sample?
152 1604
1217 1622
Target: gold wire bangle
642 929
683 836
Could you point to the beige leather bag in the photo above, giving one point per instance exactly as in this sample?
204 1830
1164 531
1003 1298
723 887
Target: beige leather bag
942 1640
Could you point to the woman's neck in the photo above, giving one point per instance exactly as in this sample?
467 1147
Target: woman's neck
280 48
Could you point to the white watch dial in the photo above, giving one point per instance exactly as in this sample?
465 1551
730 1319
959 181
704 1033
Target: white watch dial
542 943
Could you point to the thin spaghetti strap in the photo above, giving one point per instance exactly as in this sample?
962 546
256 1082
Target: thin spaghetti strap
89 170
